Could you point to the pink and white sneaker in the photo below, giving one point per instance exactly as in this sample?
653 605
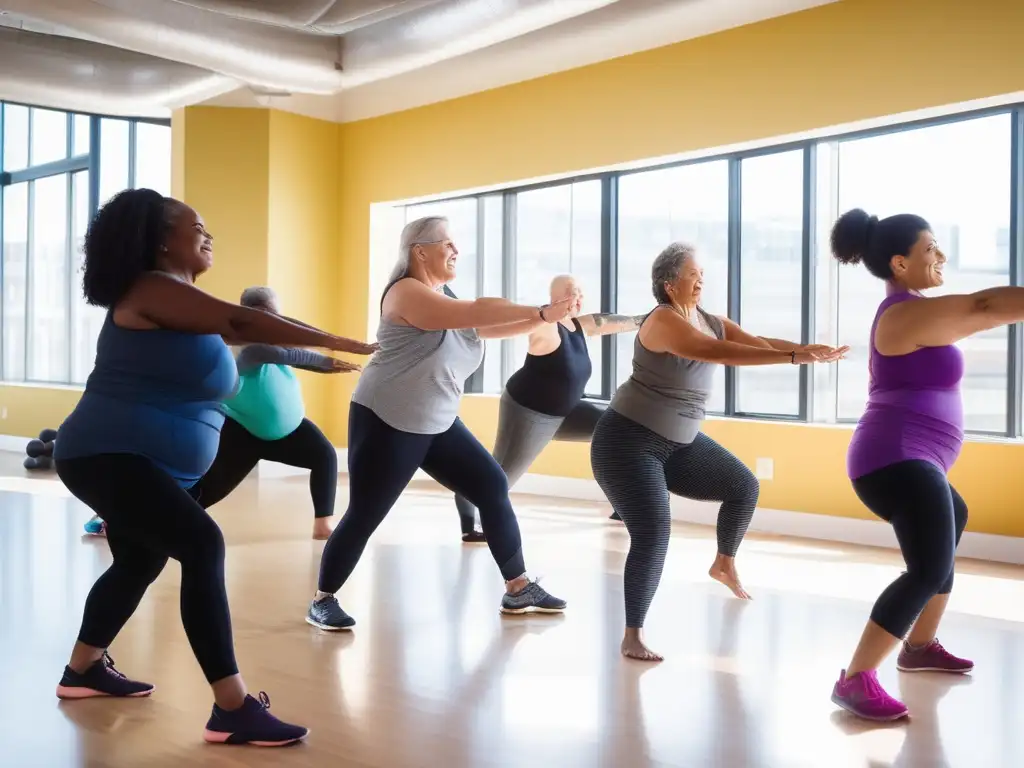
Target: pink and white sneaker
931 658
862 695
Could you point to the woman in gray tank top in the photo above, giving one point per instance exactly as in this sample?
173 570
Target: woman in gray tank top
404 417
648 444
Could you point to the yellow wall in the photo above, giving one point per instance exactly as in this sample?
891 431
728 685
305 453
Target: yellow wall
267 185
844 62
304 236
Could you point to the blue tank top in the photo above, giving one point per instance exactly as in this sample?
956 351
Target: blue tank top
553 383
153 393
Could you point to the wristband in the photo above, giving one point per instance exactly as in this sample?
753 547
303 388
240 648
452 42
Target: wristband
792 357
541 312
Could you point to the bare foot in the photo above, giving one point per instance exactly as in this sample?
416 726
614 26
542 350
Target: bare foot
322 528
724 571
633 647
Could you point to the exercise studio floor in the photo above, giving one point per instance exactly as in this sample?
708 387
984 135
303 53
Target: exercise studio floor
433 676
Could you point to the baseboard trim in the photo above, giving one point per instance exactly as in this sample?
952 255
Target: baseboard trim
846 530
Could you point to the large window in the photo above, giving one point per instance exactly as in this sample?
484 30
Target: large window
771 267
688 204
57 168
761 222
558 231
957 177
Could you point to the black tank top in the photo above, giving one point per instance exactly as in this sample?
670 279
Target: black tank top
554 383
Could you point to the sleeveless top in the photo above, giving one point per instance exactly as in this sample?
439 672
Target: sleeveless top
413 383
666 393
152 393
553 383
914 409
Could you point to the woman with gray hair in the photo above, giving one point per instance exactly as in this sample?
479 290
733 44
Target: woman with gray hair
648 444
404 417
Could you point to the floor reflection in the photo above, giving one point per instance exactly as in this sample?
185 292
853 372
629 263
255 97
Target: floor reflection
433 675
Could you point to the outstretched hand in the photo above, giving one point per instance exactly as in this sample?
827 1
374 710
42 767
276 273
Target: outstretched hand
820 353
343 366
341 344
558 310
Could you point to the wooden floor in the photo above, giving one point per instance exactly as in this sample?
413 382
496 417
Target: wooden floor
433 676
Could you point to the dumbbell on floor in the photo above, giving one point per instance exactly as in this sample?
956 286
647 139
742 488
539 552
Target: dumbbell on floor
40 451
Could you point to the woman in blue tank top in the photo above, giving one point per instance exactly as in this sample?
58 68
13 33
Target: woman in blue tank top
146 430
543 400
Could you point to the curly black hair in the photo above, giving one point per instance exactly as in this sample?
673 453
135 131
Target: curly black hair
122 242
856 237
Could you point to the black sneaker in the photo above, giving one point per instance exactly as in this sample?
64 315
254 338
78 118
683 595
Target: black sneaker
327 614
101 679
531 598
252 724
476 536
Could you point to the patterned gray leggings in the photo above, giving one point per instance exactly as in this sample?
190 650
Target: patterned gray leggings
637 469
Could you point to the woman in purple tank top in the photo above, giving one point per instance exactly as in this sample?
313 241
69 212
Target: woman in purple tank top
906 442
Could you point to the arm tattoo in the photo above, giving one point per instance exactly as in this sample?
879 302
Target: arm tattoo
601 319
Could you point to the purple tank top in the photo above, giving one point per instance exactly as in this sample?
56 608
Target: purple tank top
914 409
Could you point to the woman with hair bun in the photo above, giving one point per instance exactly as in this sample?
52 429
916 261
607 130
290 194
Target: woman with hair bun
907 440
648 443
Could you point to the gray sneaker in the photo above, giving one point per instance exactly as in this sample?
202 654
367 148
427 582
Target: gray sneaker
531 598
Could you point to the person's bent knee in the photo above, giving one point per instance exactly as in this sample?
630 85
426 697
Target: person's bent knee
748 488
328 460
205 544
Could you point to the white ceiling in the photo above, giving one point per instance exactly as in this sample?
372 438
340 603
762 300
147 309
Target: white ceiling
335 59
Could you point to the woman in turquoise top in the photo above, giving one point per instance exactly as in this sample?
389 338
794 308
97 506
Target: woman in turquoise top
266 419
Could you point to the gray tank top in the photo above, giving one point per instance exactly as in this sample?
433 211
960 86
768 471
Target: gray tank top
666 393
414 381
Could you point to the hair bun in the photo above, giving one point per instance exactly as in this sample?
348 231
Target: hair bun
851 235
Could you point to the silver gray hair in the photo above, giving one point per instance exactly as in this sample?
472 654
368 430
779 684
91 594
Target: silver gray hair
667 266
422 231
259 296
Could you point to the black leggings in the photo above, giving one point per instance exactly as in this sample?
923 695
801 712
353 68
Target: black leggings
149 518
240 451
381 462
637 469
928 516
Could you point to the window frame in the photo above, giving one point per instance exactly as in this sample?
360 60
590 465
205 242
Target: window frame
88 162
810 240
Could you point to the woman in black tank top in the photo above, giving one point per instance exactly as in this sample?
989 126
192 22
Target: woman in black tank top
543 400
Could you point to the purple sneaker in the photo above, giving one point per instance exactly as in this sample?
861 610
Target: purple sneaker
864 696
931 658
252 724
101 679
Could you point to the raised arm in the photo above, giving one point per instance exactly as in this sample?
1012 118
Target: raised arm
665 331
419 306
179 306
510 329
733 332
603 323
936 322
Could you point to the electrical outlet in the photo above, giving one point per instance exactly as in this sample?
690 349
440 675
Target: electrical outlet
764 469
3 412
